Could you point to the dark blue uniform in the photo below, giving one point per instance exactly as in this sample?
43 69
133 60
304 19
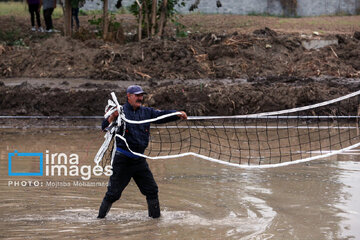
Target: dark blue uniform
137 135
127 165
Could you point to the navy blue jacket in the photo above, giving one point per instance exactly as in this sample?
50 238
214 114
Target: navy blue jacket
137 135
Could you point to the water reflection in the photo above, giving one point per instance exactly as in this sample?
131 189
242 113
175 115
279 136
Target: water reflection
350 197
199 199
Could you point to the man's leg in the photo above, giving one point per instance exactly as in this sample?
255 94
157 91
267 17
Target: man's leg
104 208
153 207
144 179
118 181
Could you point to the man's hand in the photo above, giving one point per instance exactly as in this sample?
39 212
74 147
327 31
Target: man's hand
183 115
113 116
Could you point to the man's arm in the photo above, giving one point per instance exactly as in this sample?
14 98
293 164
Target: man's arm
158 113
106 122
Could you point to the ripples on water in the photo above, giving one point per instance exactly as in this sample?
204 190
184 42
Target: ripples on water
199 200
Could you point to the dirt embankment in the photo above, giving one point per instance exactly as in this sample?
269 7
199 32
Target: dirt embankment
278 72
200 56
197 98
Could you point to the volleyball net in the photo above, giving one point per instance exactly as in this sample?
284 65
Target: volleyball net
262 140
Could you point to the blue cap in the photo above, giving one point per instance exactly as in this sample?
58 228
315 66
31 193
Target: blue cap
135 89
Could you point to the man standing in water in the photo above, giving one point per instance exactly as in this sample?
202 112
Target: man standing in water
127 165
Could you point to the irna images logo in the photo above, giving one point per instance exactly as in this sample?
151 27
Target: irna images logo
15 156
56 164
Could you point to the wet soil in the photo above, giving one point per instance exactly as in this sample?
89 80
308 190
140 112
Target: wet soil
197 97
239 69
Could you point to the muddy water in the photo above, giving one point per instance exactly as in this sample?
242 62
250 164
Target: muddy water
199 199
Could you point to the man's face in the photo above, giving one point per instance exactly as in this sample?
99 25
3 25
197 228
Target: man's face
135 100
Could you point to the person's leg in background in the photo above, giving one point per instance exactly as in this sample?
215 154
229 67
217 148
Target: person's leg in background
32 10
75 15
38 21
48 20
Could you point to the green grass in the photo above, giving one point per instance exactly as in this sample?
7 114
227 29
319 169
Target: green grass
21 9
346 23
284 20
12 8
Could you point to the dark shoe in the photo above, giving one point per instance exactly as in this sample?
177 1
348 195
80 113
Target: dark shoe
104 208
153 208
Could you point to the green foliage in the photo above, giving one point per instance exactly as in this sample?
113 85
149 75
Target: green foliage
180 29
17 37
170 13
19 42
82 12
122 10
134 9
12 37
113 24
93 12
97 21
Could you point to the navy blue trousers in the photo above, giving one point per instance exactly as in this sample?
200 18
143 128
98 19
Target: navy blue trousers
125 168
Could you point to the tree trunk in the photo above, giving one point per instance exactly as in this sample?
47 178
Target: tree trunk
153 17
67 19
147 19
105 19
162 18
140 20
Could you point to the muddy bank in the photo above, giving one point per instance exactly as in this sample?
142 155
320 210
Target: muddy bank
212 54
216 97
200 56
264 69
